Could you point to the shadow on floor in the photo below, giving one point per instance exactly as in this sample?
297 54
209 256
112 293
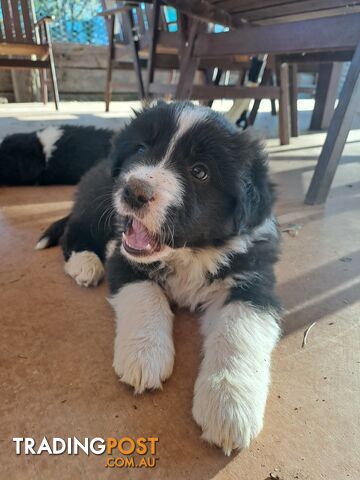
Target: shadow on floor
322 291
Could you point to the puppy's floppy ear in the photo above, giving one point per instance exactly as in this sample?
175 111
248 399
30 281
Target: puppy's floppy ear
150 103
255 192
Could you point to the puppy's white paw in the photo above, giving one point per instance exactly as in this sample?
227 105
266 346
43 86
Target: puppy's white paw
144 363
85 268
229 416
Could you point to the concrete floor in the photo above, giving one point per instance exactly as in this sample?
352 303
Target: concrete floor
56 339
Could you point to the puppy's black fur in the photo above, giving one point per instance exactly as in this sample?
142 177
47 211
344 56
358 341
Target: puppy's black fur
24 162
237 198
187 202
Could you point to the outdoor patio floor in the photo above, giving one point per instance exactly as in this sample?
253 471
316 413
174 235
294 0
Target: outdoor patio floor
56 338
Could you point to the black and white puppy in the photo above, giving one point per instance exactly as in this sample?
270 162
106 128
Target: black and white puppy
183 212
54 155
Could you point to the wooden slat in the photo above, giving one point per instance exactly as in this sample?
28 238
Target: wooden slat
326 92
116 10
134 46
309 15
140 15
18 33
53 77
168 42
26 8
308 90
266 80
207 92
110 58
147 11
83 81
337 134
333 33
189 63
284 105
125 87
294 8
251 5
8 24
162 19
318 57
22 49
22 64
204 11
293 71
154 28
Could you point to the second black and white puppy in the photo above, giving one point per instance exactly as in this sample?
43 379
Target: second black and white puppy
183 211
54 155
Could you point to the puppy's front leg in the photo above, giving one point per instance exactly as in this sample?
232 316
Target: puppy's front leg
232 386
144 348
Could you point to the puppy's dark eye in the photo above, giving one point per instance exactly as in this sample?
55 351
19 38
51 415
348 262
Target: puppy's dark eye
140 149
199 171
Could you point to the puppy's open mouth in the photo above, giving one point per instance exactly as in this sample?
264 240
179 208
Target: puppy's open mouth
139 241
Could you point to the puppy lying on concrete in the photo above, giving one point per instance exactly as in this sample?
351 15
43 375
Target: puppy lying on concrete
181 213
54 155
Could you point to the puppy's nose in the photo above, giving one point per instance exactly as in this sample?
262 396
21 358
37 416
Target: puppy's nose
137 193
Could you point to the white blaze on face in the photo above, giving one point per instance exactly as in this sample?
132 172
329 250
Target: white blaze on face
188 117
168 191
48 138
167 185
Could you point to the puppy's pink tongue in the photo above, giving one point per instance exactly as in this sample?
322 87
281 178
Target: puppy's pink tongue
137 236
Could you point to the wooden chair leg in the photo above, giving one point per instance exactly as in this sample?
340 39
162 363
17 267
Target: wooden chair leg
273 107
54 80
325 95
154 29
215 82
337 134
254 111
266 80
134 46
108 85
273 101
203 80
43 85
284 114
188 64
293 70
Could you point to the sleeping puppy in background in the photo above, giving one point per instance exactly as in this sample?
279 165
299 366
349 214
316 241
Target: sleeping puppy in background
182 214
54 155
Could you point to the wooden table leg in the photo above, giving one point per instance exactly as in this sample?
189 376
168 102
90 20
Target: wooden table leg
325 96
273 101
339 128
293 100
284 113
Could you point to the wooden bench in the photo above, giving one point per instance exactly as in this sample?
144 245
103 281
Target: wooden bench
26 43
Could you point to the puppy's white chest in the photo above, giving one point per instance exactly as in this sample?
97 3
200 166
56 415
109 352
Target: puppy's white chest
188 282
